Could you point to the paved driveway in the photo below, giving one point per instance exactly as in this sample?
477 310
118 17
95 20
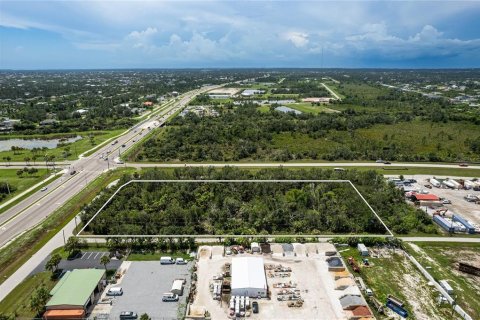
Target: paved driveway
143 286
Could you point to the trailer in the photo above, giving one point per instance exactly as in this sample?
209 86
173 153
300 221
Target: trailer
434 182
468 227
397 309
443 223
468 184
444 284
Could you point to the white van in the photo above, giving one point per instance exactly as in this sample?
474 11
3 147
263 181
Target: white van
168 297
167 260
115 291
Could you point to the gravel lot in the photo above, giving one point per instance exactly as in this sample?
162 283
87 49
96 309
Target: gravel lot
310 273
143 286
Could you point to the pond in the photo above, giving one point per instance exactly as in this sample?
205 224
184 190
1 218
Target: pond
6 145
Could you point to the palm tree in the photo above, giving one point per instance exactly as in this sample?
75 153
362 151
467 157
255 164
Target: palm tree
105 260
27 160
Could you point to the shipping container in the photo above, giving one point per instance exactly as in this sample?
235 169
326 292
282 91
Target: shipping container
469 228
442 222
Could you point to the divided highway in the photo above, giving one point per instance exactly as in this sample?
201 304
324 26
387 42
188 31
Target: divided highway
36 208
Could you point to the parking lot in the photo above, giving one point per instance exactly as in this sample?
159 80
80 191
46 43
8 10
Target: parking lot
309 271
144 283
459 205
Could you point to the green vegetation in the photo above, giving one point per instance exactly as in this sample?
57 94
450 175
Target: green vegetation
21 249
310 108
374 122
254 208
393 273
443 258
15 181
18 301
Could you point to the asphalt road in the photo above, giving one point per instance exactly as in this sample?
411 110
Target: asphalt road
300 164
33 210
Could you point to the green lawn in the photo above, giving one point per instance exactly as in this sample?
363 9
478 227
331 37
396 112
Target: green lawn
308 108
75 148
20 183
18 301
396 275
442 258
156 256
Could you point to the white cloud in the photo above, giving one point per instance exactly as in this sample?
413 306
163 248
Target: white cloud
299 39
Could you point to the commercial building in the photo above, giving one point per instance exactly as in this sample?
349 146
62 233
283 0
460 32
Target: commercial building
248 277
76 292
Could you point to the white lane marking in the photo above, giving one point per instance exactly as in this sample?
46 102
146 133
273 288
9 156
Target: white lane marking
83 255
96 255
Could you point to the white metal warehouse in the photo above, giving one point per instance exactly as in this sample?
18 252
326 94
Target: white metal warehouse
248 277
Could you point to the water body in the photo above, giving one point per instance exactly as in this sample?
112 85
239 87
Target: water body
287 109
6 145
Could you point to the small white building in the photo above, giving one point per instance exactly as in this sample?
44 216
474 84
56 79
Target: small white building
362 249
177 287
248 277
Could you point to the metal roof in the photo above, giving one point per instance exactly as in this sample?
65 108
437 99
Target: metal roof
75 287
248 272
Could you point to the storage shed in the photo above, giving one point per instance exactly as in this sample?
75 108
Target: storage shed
248 277
76 290
177 287
255 247
362 249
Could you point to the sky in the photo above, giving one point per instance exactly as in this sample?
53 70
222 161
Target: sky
91 34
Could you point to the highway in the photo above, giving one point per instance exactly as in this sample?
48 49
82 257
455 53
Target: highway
33 210
299 164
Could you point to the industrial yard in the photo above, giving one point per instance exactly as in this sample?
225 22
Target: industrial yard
454 204
304 281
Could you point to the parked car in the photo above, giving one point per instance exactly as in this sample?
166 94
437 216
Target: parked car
255 307
446 201
428 186
228 251
180 261
169 297
167 260
115 291
128 315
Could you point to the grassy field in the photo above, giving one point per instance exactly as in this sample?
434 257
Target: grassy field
20 183
447 140
76 148
395 274
308 108
22 248
442 258
18 301
156 256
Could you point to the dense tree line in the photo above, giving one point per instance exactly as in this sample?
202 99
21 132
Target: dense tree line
254 208
245 133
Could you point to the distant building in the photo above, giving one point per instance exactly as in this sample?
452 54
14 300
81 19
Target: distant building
148 104
251 92
48 122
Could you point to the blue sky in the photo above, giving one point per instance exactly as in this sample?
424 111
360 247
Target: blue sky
171 34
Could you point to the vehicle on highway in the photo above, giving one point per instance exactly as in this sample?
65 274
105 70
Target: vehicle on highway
379 161
133 140
169 297
387 162
463 164
255 307
115 291
44 189
73 172
128 315
123 145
